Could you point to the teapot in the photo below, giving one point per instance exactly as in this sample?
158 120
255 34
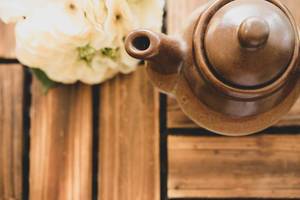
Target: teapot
233 69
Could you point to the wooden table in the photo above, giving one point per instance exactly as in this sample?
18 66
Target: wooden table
122 140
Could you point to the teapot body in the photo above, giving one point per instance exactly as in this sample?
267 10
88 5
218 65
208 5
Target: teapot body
223 91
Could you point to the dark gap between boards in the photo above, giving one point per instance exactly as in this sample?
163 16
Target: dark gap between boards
95 158
26 135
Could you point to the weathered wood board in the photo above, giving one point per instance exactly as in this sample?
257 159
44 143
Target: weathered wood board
7 41
61 143
265 166
11 129
129 139
177 119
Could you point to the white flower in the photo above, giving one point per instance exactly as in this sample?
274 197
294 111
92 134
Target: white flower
95 11
14 10
79 40
54 43
127 15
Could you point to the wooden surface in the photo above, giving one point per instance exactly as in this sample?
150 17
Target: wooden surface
11 129
176 118
61 143
77 139
265 166
7 41
129 139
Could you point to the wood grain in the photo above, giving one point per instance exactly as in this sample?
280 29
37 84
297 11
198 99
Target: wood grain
11 131
176 118
7 41
264 166
129 139
61 143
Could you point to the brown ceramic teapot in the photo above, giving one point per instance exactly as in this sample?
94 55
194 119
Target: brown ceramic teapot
234 69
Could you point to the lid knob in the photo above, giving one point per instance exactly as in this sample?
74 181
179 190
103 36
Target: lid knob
253 32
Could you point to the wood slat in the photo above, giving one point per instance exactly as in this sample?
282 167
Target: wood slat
176 118
129 139
178 11
7 41
61 143
11 131
264 166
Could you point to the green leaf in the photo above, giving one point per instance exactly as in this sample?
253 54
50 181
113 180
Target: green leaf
44 80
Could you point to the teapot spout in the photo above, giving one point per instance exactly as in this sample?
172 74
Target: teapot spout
164 55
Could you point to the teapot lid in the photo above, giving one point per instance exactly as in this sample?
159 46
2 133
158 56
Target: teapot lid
249 44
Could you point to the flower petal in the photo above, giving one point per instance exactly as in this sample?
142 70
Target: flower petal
15 10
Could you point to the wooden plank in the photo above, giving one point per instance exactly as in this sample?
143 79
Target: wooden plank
11 131
176 118
264 166
129 139
61 143
178 11
7 41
